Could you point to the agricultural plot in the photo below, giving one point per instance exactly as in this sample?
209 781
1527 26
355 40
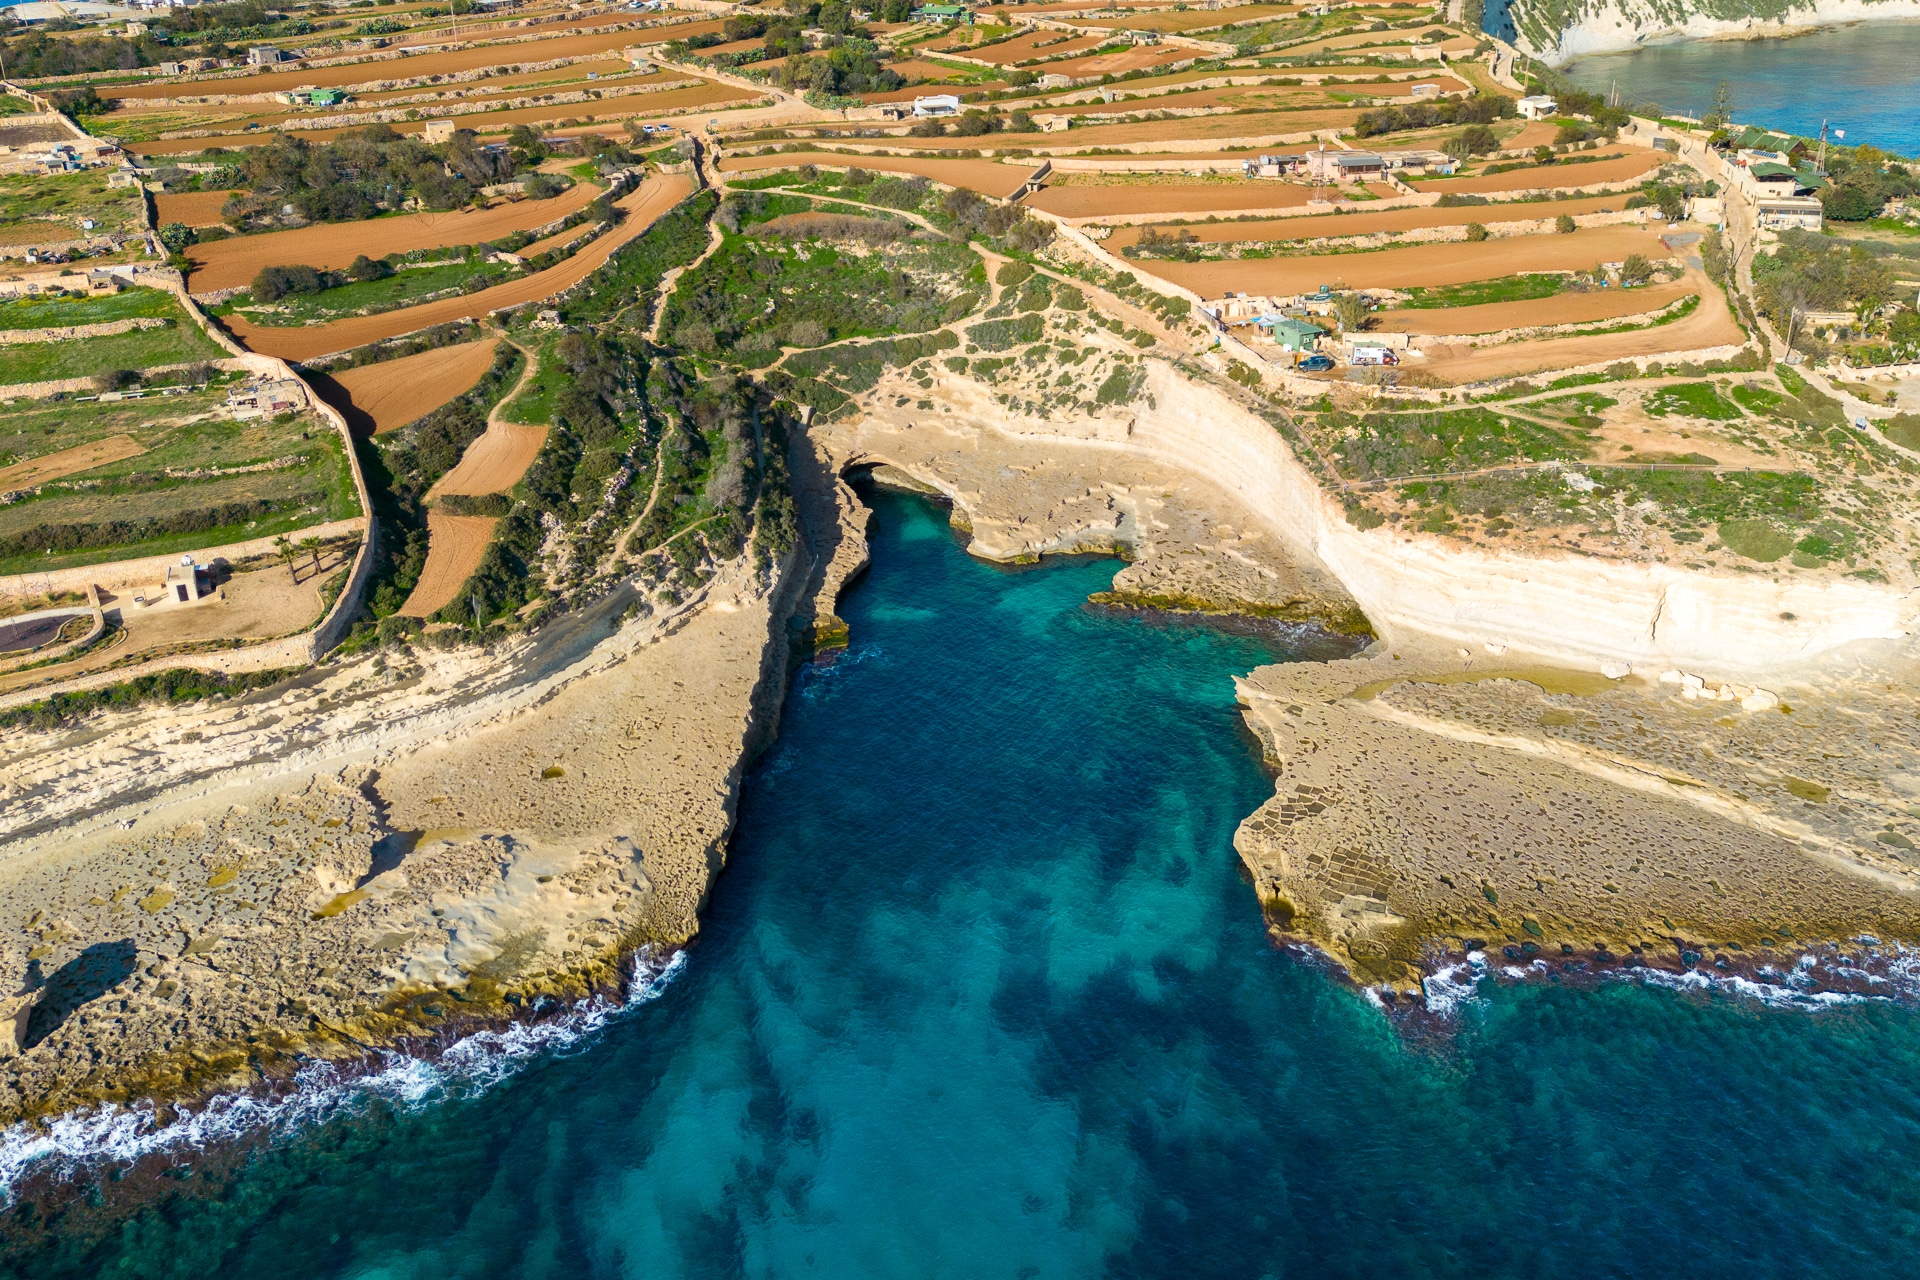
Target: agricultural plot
1134 196
48 209
387 396
176 341
648 202
234 262
1424 265
159 474
1356 222
408 285
988 177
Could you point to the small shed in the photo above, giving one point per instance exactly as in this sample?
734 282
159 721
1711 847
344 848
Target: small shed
1291 333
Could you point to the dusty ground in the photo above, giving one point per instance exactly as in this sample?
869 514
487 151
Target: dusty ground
320 866
1423 264
1710 325
1565 308
1551 177
642 206
329 246
454 547
82 457
257 603
395 392
495 462
1557 814
989 177
1119 198
195 208
1358 222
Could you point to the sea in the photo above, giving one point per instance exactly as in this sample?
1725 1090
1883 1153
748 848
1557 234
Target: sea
1862 79
982 992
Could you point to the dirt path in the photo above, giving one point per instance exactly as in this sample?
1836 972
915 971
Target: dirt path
653 198
1425 265
393 393
454 547
1710 325
82 457
329 246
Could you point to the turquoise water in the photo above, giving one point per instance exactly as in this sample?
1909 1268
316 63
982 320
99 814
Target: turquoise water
1864 79
982 994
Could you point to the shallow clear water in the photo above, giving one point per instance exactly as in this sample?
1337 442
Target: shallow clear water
982 995
1864 79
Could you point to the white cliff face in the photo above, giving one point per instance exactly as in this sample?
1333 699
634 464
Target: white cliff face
1588 613
1561 30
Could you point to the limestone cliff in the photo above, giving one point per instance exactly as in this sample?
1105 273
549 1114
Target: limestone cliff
1559 30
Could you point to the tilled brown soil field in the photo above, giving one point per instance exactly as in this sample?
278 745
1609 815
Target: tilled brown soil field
329 246
395 392
1425 265
424 64
1366 224
1120 199
1551 177
654 197
494 463
988 177
195 208
1711 325
1565 308
454 547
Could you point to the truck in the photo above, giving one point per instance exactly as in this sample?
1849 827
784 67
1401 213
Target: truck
1373 355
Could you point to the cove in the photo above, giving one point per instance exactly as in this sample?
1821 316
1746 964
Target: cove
1858 77
982 994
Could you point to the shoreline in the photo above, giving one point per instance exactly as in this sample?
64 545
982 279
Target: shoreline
1703 29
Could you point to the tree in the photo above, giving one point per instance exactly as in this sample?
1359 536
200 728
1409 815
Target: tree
176 236
1543 154
1720 114
1636 269
312 547
365 268
1904 332
1351 310
283 547
896 10
1564 224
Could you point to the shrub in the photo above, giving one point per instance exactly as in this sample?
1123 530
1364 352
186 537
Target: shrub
275 283
365 268
1564 224
1756 540
1476 232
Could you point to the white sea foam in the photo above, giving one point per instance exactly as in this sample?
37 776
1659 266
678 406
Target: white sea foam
321 1092
1450 988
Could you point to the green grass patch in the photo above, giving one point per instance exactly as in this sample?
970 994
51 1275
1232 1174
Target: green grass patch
408 287
1474 293
179 342
1756 398
58 202
534 405
1382 445
58 311
1759 540
1691 400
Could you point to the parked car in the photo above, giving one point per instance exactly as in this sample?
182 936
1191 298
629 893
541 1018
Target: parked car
1317 364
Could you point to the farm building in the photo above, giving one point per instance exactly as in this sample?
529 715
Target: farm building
1290 333
937 104
1778 212
1343 166
1537 106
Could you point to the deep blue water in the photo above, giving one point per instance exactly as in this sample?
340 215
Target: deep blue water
981 994
1864 79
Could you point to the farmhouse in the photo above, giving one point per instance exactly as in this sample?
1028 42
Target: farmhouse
938 104
1778 212
1292 334
1343 166
1536 106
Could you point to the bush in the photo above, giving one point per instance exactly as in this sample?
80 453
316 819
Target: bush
1476 232
176 236
1564 224
275 283
485 504
365 268
1756 540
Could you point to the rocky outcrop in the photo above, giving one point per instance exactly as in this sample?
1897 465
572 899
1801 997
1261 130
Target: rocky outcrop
1560 30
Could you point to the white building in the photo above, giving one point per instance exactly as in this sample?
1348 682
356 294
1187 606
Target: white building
1536 106
939 104
1776 213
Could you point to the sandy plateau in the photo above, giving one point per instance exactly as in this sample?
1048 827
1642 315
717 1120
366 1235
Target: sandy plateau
379 849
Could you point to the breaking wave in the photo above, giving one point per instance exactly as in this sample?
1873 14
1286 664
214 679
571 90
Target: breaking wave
1824 979
321 1092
